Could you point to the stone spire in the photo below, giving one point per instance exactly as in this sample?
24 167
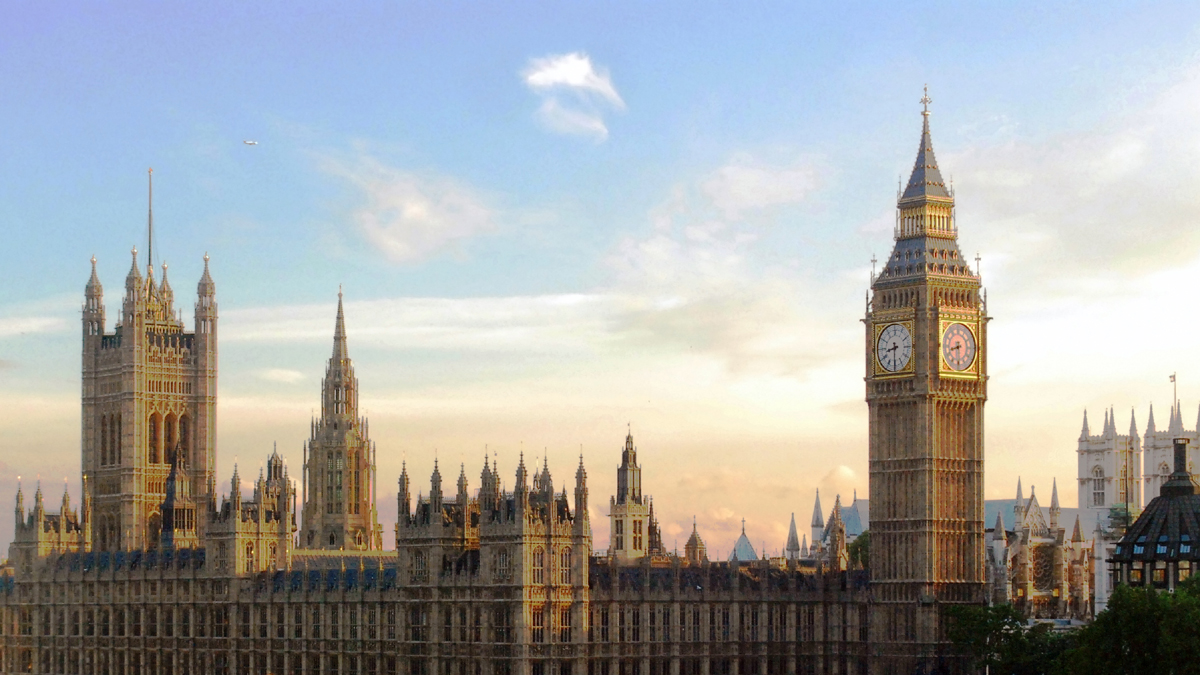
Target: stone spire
206 288
403 505
1083 435
339 333
94 289
1054 508
1076 534
792 551
339 397
435 492
133 280
164 290
1176 425
804 546
1020 493
818 519
926 180
1150 421
998 529
462 486
582 522
1133 432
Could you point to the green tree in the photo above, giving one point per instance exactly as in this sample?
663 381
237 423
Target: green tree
999 639
859 551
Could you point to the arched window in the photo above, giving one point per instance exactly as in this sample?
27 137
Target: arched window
420 571
103 440
564 566
249 557
332 539
184 437
152 439
1164 470
116 440
502 568
1097 487
539 566
169 438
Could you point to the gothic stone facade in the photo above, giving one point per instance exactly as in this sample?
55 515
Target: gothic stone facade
153 576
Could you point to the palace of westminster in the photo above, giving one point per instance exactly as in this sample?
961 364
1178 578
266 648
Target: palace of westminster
152 574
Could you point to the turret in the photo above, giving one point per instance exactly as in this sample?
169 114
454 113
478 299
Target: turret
39 507
133 284
582 526
435 494
235 493
1133 432
93 307
164 291
1083 435
1054 508
20 520
818 521
998 528
792 550
521 489
1150 421
403 497
629 475
462 487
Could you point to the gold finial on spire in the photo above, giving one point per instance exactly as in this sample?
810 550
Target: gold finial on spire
925 101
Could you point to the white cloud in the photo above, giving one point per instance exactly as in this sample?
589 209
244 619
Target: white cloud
742 185
23 325
283 375
575 94
410 217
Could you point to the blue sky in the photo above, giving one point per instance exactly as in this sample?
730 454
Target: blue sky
552 221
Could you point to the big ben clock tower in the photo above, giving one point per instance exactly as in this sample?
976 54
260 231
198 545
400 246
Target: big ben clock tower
926 359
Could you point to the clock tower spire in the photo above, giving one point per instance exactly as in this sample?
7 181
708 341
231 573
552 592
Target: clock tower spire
926 384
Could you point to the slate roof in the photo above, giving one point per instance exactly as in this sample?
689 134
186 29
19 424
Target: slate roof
926 180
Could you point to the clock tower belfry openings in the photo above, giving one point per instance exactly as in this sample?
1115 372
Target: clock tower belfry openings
926 384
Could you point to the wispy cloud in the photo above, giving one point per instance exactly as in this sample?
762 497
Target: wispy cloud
282 375
575 94
409 216
744 185
25 325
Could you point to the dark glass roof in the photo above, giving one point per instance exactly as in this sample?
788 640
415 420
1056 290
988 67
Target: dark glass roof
1169 528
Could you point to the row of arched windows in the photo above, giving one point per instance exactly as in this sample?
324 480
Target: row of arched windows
164 435
563 569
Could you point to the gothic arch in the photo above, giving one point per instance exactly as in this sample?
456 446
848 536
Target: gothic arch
154 439
168 438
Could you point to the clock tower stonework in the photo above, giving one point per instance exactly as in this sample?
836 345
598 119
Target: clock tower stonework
926 377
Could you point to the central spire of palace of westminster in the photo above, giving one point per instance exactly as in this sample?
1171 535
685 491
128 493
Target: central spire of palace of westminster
339 465
926 358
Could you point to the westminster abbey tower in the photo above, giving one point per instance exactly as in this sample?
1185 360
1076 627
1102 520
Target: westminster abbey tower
926 359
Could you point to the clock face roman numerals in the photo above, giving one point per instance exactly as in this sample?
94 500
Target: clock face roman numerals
894 348
958 346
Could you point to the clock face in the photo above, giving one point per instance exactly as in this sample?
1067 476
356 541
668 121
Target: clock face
894 348
958 346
